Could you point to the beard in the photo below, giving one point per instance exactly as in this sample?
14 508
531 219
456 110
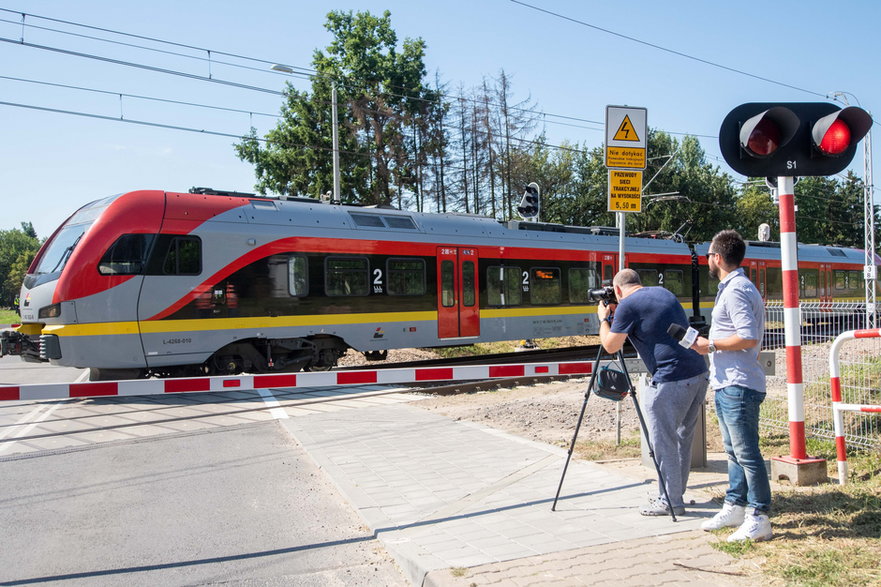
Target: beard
714 272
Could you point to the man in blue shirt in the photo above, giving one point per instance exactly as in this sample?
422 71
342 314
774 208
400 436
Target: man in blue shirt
673 399
739 382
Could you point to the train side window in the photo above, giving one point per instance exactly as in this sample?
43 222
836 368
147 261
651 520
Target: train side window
298 276
856 280
674 281
347 276
126 256
808 279
582 279
841 281
406 277
503 285
448 293
184 256
774 283
648 277
468 284
547 288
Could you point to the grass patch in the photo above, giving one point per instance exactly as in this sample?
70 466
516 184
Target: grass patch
607 450
8 316
826 535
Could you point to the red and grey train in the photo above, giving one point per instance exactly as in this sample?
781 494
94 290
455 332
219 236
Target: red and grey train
180 284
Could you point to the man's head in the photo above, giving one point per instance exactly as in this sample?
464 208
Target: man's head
626 282
727 251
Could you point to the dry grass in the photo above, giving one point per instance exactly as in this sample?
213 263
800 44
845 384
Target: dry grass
826 535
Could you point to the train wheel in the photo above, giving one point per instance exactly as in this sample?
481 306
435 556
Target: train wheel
115 374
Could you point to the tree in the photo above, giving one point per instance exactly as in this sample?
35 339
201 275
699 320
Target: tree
17 249
384 109
754 207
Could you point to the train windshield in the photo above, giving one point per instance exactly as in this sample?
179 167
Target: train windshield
55 253
59 249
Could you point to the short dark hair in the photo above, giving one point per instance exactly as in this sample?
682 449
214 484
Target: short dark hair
730 246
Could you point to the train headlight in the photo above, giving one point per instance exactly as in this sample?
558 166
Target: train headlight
53 311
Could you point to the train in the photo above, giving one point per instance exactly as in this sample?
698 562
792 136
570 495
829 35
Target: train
207 282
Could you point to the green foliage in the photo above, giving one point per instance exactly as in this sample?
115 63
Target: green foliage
383 108
17 250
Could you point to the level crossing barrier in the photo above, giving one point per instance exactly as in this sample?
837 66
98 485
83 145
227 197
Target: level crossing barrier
838 406
290 380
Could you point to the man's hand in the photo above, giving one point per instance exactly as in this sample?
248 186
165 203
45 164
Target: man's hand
701 346
604 311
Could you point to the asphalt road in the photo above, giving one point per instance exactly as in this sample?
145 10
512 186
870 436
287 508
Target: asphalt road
201 489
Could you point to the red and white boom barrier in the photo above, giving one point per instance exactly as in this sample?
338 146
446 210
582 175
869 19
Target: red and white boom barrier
838 407
289 380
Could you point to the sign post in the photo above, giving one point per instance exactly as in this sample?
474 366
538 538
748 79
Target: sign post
626 147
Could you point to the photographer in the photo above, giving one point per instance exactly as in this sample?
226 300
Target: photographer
673 398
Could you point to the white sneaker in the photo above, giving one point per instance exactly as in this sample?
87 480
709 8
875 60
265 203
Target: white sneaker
730 516
754 527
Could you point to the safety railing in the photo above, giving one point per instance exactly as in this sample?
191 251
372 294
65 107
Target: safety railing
837 381
821 322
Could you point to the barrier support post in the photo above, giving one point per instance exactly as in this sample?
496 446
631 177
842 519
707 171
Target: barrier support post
798 468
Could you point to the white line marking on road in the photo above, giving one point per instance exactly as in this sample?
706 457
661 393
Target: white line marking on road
83 376
277 412
19 432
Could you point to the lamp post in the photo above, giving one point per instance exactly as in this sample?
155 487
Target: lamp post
334 132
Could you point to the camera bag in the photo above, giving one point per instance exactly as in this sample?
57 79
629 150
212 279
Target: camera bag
611 384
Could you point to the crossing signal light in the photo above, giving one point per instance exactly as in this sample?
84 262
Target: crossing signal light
792 139
530 204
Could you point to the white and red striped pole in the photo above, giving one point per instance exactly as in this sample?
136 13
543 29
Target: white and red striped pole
791 318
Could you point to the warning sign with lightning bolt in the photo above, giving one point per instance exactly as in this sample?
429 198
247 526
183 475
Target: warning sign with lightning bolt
626 132
626 143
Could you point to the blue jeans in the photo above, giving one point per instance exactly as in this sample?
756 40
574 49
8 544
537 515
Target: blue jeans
737 408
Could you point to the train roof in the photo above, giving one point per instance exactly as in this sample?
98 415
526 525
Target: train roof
429 226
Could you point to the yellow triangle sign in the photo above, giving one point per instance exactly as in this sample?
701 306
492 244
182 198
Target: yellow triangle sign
626 132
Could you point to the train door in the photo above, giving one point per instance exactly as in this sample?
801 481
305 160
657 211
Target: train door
609 268
758 274
458 311
824 288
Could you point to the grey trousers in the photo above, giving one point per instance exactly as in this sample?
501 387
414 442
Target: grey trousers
671 411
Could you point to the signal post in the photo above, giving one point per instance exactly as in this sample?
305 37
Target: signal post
785 140
626 147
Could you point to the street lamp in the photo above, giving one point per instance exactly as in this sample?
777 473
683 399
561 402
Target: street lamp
334 132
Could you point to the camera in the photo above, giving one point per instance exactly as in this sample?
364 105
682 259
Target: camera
605 294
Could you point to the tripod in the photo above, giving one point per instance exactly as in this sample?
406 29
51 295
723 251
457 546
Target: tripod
619 356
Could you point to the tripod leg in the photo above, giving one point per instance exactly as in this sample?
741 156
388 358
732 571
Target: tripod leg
648 440
593 376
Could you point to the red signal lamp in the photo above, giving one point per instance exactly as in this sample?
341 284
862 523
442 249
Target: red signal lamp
763 134
836 140
834 133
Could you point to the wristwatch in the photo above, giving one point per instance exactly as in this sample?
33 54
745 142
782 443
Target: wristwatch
711 347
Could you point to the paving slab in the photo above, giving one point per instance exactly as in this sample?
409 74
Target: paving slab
442 494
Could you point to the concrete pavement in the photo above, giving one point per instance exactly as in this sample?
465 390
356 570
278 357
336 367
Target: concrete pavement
457 503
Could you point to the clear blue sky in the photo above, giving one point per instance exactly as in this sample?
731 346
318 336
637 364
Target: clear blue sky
52 163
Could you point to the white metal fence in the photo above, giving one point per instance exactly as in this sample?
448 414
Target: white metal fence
860 364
